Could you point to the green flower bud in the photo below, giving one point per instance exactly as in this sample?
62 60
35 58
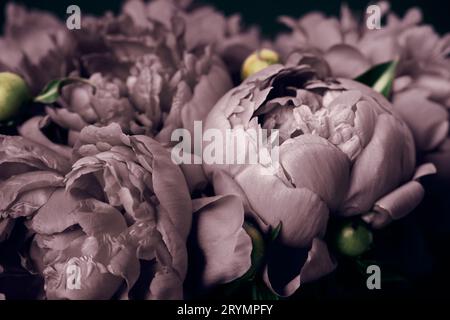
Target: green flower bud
257 61
14 93
353 239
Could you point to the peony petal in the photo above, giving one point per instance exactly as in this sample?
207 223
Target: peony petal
401 201
95 285
169 184
111 134
381 104
59 241
441 159
125 265
208 91
195 176
324 34
57 214
346 61
166 285
96 217
204 26
365 120
66 118
224 184
12 190
427 120
437 86
20 152
313 163
31 130
379 48
225 245
303 214
389 157
175 243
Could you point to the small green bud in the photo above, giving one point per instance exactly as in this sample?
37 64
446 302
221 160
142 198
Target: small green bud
14 93
257 61
353 239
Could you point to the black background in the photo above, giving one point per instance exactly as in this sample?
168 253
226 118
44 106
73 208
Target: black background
264 12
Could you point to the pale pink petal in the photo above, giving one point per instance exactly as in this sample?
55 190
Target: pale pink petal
441 159
18 154
166 285
427 120
312 162
12 190
303 214
387 161
346 61
31 130
225 245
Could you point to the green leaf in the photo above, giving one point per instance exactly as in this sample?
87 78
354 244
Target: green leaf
380 77
258 250
52 90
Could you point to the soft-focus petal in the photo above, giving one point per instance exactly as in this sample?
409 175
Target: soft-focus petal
346 61
441 159
427 120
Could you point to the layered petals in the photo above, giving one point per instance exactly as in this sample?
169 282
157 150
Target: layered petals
342 150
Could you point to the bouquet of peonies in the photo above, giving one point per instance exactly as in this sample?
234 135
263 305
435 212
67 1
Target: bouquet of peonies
169 152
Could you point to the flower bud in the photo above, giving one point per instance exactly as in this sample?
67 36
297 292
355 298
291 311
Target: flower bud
257 61
353 239
13 93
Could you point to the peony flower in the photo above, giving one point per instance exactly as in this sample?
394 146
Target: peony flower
207 26
420 91
114 225
29 174
112 44
145 79
39 53
343 151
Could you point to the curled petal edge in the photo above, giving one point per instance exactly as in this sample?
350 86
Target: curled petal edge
318 263
401 201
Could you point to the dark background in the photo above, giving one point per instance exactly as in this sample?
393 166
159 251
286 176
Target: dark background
263 12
